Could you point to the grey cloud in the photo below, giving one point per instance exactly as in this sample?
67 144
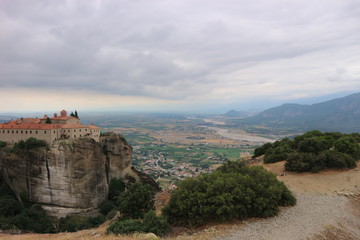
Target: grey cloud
165 49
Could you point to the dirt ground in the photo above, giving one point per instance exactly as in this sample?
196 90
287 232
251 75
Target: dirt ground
331 182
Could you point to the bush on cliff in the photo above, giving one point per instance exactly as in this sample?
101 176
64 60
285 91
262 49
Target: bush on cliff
9 206
36 220
150 224
136 200
29 143
314 151
116 187
233 191
73 223
2 144
136 205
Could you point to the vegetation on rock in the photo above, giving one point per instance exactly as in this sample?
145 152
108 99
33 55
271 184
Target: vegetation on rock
29 143
151 223
313 151
136 206
136 201
233 191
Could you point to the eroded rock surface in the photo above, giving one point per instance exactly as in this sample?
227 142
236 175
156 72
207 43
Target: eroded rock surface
72 176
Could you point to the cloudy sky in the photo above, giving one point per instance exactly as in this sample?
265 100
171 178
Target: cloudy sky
175 54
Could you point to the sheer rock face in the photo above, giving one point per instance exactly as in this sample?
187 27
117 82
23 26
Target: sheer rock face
70 177
115 147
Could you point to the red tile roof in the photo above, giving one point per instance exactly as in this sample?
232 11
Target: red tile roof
34 123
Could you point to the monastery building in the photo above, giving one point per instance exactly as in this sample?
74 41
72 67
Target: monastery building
48 129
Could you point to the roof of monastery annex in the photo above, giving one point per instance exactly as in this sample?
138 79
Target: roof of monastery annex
57 122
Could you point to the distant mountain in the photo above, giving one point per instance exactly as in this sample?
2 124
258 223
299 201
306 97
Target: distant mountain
234 113
5 118
342 115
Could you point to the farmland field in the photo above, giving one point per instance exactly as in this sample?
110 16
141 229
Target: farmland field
171 147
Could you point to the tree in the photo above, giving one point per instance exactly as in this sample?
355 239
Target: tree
334 159
136 201
76 114
315 144
261 150
48 120
233 191
116 187
348 145
9 206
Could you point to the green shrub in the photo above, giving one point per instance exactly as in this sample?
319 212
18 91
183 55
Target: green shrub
96 221
36 220
6 190
155 224
29 143
261 150
276 154
304 162
2 144
116 187
125 226
112 213
6 225
315 151
278 151
73 223
234 191
136 201
334 159
106 207
315 144
348 145
151 223
9 206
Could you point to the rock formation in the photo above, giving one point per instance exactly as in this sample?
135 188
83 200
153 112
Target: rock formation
72 176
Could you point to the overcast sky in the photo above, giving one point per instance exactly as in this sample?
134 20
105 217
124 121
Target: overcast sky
175 54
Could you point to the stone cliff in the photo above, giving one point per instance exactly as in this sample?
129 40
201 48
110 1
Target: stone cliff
71 176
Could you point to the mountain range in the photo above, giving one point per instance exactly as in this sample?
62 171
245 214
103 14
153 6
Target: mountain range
341 114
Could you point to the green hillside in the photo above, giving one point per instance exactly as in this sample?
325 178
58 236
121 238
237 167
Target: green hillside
342 114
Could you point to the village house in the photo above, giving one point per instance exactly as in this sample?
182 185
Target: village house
47 128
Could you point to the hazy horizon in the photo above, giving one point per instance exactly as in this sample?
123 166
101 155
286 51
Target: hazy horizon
209 111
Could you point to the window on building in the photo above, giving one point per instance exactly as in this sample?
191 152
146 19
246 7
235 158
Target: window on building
12 131
54 131
21 131
30 132
36 132
25 132
74 130
8 131
17 131
45 132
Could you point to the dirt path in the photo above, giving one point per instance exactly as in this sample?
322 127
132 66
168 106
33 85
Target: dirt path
320 203
331 182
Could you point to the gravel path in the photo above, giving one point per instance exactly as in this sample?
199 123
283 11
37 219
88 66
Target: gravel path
300 222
